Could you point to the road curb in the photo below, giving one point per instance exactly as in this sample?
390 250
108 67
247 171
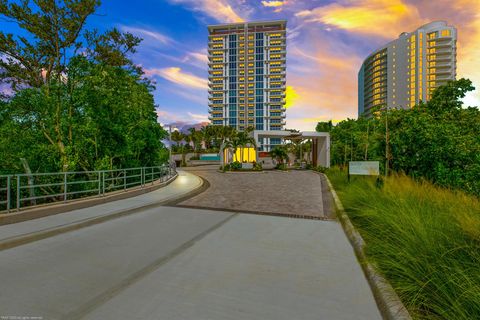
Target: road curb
388 302
47 233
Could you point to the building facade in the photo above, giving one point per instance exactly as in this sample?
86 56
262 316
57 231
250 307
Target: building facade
247 76
408 69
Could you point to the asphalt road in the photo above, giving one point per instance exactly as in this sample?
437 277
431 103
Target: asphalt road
179 263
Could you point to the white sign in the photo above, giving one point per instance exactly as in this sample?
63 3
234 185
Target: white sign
364 168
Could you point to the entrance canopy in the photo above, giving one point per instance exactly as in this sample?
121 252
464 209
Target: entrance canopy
320 142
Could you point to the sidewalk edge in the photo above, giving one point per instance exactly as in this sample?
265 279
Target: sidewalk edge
41 211
47 233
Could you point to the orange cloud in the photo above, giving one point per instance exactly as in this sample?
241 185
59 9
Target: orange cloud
218 9
176 75
385 18
468 63
324 75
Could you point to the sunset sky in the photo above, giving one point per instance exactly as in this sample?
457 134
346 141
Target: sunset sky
327 42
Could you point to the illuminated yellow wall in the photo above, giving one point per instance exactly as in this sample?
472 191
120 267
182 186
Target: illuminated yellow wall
249 155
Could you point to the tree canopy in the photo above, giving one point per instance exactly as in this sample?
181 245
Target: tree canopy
79 103
439 140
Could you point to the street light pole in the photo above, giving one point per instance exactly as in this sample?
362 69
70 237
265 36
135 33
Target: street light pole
170 144
387 156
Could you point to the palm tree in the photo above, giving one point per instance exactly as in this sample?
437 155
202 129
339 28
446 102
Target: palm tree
244 140
279 154
207 135
178 137
195 138
232 144
226 133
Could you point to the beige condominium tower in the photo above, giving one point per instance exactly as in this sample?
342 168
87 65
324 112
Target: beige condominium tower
407 70
246 76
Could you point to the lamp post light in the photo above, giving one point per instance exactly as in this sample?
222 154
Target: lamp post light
170 144
387 136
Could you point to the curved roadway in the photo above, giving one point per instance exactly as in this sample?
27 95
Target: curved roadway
187 263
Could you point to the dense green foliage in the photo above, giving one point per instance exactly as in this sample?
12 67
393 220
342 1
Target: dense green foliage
73 110
439 140
424 239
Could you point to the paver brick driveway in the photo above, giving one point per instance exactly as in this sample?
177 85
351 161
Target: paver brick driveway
293 193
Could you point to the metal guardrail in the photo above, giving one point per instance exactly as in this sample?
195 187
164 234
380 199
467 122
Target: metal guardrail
24 190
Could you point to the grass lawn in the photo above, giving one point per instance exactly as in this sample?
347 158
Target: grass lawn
425 240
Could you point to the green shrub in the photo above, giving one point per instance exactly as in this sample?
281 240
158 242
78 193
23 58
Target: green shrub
235 165
257 166
320 169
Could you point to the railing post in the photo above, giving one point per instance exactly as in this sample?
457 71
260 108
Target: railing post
65 187
125 180
18 193
99 182
8 193
152 175
103 183
142 177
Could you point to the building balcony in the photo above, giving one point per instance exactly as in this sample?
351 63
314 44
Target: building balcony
211 85
444 58
444 51
369 70
212 105
442 44
211 118
210 63
213 75
210 91
284 52
282 73
444 77
442 71
267 45
443 64
210 97
210 49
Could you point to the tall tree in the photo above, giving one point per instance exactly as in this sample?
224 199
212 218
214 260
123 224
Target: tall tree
78 97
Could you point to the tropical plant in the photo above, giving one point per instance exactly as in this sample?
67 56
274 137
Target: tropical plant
279 153
244 140
177 137
195 139
235 165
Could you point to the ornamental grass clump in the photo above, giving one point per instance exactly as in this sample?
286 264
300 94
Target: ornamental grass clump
424 239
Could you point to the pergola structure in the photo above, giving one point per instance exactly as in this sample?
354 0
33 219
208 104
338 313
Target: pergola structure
320 142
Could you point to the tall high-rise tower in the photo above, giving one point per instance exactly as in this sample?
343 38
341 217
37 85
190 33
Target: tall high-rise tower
247 63
408 69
